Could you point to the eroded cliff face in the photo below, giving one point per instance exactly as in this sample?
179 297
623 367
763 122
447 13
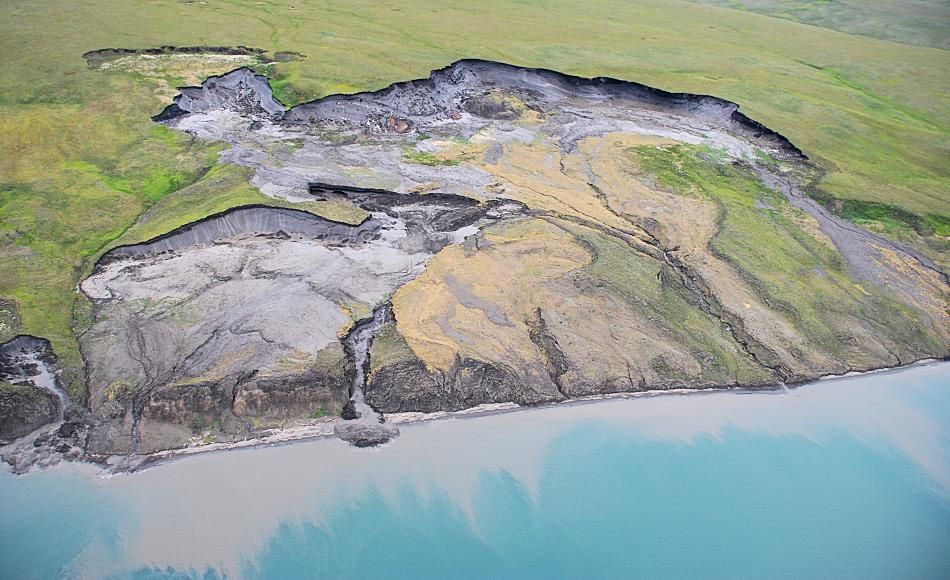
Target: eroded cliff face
533 237
29 396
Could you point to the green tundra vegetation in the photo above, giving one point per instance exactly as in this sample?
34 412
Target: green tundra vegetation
923 22
83 168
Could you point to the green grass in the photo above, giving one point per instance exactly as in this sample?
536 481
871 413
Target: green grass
80 161
893 219
426 158
925 233
922 22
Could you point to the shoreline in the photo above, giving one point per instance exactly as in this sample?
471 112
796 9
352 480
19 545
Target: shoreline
112 466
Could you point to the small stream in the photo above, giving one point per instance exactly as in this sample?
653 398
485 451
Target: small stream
364 426
24 360
27 360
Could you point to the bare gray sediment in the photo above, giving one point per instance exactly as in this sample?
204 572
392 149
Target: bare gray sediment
240 89
454 89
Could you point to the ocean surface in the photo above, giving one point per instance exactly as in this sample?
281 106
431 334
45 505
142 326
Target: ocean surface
845 478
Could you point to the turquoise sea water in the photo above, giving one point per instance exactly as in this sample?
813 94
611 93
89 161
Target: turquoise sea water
843 479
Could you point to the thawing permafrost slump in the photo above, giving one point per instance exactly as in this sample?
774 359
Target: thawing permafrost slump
245 325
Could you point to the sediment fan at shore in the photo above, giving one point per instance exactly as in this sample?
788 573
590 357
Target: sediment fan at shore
533 237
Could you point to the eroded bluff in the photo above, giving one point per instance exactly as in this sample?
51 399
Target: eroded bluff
531 237
28 396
